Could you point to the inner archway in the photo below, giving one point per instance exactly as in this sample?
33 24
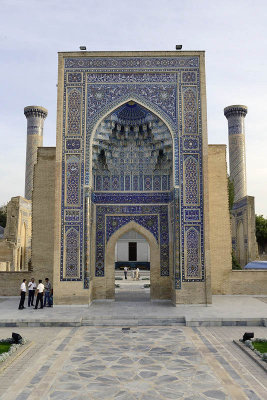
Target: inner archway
132 268
160 287
132 183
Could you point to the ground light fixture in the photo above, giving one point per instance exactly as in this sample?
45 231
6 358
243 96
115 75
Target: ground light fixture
16 337
248 336
178 47
82 47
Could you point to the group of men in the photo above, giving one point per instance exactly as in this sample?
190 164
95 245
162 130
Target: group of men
135 273
43 293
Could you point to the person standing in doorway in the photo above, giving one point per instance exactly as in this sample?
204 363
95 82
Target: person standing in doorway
125 272
31 288
47 292
137 274
40 294
22 294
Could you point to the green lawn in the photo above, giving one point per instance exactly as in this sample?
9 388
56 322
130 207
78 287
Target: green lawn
4 347
262 347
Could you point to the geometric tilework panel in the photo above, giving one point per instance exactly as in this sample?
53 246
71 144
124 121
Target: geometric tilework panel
132 183
74 111
73 179
192 256
132 198
72 241
111 218
190 110
191 180
115 222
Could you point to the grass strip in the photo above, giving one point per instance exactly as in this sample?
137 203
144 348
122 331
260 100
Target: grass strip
260 346
4 347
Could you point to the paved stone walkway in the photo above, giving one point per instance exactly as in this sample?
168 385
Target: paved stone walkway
143 363
224 310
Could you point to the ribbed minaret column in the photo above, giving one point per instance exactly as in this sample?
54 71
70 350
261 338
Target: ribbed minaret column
237 153
35 121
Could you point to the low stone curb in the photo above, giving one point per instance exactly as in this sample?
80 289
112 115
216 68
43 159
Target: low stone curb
225 322
134 322
106 320
5 364
251 354
21 324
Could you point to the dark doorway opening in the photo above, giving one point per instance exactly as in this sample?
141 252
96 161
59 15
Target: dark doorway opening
132 251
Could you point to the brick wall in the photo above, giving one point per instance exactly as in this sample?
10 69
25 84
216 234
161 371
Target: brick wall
248 282
10 282
219 219
43 213
43 204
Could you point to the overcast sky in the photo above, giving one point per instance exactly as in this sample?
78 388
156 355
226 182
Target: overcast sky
232 32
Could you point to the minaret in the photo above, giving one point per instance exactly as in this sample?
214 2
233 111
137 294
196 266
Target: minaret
35 121
237 155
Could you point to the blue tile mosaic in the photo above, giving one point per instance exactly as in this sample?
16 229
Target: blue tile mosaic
110 218
169 87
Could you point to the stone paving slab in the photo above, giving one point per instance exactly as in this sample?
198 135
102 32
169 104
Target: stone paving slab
144 363
224 311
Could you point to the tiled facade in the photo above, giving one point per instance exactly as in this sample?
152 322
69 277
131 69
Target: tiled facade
96 122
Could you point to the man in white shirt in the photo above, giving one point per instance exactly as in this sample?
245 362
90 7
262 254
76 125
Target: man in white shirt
22 294
40 294
31 288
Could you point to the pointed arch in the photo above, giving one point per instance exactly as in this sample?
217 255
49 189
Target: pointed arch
111 107
157 287
132 226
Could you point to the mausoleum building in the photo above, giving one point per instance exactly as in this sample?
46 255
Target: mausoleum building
133 180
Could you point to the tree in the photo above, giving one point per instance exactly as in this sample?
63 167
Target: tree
235 263
261 231
3 217
231 193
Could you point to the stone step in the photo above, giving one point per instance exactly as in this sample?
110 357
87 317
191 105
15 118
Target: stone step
134 322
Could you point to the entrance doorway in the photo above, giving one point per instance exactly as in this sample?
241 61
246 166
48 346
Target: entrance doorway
132 268
132 251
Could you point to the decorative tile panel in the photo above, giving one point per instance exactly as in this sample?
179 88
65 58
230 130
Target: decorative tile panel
192 215
132 198
72 179
132 182
192 252
114 222
189 76
147 182
131 77
75 77
190 110
72 243
74 103
73 144
191 180
111 218
191 143
72 216
131 62
170 88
